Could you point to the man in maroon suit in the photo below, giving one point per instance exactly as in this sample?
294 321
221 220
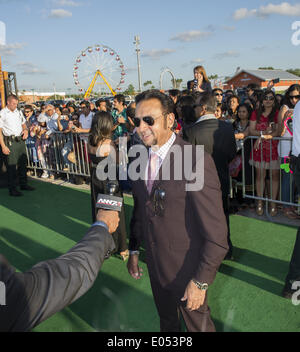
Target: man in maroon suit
184 232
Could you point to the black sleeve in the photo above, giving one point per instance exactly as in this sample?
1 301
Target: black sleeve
50 286
232 147
207 87
136 227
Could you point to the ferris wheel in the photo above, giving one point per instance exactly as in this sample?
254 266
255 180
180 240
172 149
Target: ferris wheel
98 69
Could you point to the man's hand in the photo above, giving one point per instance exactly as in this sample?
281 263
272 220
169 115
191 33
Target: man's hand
110 218
239 136
5 150
24 134
194 296
133 268
270 85
121 120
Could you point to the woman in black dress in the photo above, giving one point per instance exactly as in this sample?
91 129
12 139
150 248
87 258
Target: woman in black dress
101 147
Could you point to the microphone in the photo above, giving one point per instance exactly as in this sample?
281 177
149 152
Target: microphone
109 201
159 198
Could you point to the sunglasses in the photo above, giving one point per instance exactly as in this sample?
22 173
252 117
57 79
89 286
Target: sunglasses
294 96
269 98
27 111
149 120
218 95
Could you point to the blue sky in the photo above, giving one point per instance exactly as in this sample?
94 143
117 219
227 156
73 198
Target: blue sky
43 38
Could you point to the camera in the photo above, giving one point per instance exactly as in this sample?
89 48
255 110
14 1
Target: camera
195 81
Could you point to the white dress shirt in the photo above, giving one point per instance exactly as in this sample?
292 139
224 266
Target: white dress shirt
162 153
11 122
86 124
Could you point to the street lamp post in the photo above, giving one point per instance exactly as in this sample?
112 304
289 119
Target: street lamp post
137 43
54 91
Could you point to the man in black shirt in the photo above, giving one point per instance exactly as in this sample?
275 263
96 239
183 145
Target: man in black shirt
219 141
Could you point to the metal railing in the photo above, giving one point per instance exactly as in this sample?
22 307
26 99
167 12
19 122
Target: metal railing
68 154
272 181
59 153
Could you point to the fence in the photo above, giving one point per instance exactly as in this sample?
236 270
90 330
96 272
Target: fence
67 153
271 180
59 152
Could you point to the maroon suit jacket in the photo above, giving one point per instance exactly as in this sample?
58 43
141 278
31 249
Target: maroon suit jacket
190 239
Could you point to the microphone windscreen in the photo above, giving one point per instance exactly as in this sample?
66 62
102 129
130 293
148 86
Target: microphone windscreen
108 202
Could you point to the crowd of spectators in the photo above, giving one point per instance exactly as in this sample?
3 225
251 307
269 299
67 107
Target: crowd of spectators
260 113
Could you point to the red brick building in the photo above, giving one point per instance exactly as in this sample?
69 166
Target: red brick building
262 77
32 97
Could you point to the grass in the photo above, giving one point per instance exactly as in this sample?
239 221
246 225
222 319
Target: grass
244 297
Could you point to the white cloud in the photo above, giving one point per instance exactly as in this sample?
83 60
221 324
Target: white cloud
67 3
283 9
191 36
9 50
157 53
197 61
226 54
243 13
30 69
60 13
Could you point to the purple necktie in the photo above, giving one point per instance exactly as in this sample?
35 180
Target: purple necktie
151 171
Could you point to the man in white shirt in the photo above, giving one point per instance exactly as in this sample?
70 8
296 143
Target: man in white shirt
13 133
85 119
52 117
292 281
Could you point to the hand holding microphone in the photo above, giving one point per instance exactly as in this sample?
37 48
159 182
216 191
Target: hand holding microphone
109 206
110 218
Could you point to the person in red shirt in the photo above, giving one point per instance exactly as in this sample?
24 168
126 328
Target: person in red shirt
264 156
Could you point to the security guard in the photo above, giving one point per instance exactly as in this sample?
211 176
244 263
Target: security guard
13 133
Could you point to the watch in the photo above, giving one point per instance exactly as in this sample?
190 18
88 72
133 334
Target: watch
134 252
200 285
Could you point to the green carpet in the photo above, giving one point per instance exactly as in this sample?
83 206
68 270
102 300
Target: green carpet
244 297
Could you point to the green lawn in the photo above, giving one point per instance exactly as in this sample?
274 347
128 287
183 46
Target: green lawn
244 297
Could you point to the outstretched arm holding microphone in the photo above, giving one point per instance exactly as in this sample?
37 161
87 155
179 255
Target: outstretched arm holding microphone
51 285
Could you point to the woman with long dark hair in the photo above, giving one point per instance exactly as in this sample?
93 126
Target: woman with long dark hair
285 120
232 106
101 147
264 124
241 131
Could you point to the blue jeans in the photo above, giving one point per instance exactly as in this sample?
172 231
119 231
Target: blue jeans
65 152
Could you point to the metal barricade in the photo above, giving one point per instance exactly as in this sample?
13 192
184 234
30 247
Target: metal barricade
59 153
272 180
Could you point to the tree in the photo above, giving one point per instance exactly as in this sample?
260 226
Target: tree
130 90
266 68
147 83
178 82
213 77
295 71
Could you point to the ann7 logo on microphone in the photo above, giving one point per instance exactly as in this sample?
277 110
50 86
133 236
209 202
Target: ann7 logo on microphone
2 33
2 294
